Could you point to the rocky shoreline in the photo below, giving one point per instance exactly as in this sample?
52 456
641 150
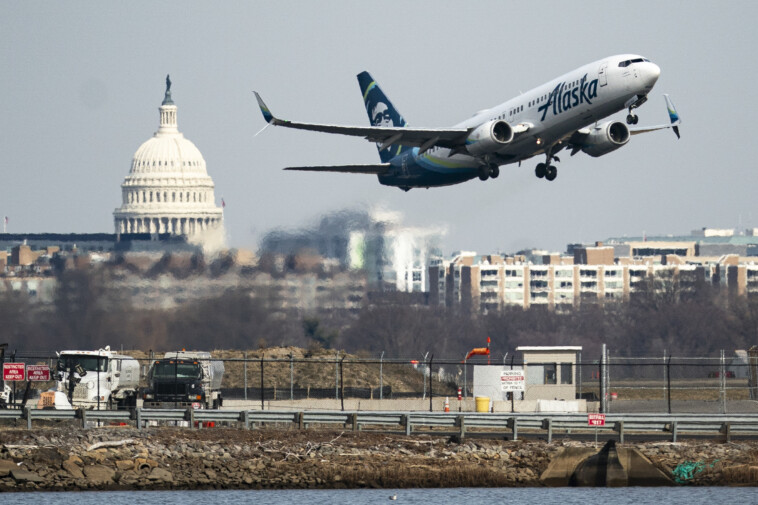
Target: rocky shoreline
123 458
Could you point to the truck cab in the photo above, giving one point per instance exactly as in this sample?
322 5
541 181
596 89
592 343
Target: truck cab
98 379
184 379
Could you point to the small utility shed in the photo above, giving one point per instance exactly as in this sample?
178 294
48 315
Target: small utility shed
550 372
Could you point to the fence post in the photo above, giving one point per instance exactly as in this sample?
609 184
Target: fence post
726 429
292 377
601 380
620 428
674 430
722 383
664 374
547 424
514 425
668 382
342 384
337 375
579 374
381 376
406 419
28 416
244 373
262 404
83 415
246 418
430 383
461 421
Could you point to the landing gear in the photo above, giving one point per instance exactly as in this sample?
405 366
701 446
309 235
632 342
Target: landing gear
540 171
488 171
551 173
547 170
632 118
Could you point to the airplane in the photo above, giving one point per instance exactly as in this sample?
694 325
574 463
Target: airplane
564 113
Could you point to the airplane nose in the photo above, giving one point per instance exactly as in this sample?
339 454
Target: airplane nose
652 72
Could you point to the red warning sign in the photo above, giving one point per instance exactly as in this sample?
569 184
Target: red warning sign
14 371
39 373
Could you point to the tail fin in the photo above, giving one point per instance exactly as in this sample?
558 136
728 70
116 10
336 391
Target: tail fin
381 112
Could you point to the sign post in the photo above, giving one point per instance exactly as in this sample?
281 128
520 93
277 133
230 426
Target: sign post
596 420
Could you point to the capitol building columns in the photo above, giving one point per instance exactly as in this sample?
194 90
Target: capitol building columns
168 189
170 225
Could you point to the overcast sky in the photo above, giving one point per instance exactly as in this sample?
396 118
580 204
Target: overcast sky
81 83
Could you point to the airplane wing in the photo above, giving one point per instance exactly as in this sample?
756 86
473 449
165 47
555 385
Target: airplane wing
379 169
673 116
423 138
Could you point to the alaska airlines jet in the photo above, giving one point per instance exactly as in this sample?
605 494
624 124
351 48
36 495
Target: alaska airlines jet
564 113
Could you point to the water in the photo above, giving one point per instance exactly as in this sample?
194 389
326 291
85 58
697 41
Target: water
456 496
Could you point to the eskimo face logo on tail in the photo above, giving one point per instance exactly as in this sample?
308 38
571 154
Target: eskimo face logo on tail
563 97
381 115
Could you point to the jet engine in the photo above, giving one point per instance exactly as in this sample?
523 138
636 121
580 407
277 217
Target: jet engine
605 138
489 137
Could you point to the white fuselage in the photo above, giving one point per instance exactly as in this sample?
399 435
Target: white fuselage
555 110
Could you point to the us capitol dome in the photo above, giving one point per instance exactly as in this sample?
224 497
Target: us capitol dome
168 190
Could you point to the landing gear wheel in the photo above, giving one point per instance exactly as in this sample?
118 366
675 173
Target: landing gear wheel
484 173
540 171
632 119
494 171
551 173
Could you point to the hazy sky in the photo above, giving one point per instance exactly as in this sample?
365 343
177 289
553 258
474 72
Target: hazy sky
81 83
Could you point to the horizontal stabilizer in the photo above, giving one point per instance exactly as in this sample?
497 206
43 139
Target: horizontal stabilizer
674 119
380 169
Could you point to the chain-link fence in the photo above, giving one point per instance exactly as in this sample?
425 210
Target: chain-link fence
331 380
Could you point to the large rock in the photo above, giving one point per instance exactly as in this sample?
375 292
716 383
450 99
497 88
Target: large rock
71 466
6 465
21 475
98 474
162 475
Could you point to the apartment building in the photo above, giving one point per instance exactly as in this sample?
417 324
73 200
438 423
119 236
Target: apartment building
487 283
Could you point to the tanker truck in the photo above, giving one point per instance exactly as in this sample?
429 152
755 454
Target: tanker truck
184 379
98 379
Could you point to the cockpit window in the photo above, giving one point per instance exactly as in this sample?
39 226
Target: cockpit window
626 63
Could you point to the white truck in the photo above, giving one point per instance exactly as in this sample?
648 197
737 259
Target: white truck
184 379
98 379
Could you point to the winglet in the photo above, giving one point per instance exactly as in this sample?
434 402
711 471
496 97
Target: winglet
264 109
673 115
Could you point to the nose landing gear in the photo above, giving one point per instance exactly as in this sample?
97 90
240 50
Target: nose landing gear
632 118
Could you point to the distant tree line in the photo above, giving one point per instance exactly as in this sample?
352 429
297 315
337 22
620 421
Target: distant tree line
88 313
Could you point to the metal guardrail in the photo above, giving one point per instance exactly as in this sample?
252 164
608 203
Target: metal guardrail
496 424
